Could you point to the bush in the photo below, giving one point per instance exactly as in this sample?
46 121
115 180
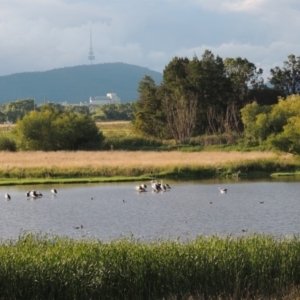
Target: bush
53 130
7 144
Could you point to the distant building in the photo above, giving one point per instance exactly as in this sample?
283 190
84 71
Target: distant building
110 98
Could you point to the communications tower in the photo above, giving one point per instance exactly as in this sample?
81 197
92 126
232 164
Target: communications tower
91 52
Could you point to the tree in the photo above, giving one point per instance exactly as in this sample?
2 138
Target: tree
265 95
181 114
289 139
52 130
287 79
114 112
270 123
149 115
256 123
213 89
18 109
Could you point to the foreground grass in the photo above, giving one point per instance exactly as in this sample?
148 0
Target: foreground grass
84 166
49 267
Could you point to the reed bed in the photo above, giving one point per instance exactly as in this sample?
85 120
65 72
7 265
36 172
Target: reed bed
127 165
49 267
66 159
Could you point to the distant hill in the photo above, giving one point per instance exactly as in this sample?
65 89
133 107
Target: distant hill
76 84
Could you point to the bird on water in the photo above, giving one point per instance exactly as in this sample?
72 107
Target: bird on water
223 191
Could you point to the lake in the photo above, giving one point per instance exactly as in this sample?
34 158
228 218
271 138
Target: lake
190 208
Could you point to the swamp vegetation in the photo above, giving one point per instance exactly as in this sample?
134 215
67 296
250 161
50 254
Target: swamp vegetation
251 267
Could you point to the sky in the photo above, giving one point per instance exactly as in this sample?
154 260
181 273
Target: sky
40 35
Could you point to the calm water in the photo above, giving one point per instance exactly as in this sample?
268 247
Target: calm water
189 209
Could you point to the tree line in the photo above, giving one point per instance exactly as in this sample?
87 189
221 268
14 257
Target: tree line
207 95
13 111
197 97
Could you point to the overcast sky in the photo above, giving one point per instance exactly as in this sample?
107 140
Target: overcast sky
39 35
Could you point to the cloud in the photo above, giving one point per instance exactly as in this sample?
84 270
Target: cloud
38 35
265 57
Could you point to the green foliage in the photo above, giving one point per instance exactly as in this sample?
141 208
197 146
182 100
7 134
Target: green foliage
113 112
150 117
255 266
7 143
131 143
287 79
3 117
18 109
214 91
276 125
256 123
51 130
289 139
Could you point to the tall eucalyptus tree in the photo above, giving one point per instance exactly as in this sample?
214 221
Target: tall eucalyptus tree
287 79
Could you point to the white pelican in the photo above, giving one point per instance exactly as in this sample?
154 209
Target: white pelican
223 191
39 194
139 188
32 194
7 196
155 186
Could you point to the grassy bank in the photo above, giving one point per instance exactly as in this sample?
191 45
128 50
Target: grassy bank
83 166
47 267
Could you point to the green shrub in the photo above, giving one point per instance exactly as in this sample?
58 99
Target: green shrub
7 144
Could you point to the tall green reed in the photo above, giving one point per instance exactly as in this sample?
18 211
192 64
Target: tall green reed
40 266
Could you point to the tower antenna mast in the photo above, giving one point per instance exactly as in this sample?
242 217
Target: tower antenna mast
91 52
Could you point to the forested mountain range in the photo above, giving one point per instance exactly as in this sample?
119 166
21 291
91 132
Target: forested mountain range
76 84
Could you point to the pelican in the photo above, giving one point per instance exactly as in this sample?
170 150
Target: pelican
54 191
39 194
7 196
223 191
32 194
155 186
140 188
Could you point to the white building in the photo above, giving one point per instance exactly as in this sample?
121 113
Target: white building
110 98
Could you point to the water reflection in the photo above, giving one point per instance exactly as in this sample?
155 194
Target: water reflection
189 209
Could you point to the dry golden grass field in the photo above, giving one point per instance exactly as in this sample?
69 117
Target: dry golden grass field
116 128
125 159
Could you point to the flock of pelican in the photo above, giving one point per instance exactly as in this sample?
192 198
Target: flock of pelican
156 187
161 187
32 194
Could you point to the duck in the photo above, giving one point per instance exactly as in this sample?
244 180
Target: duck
77 227
54 191
7 196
